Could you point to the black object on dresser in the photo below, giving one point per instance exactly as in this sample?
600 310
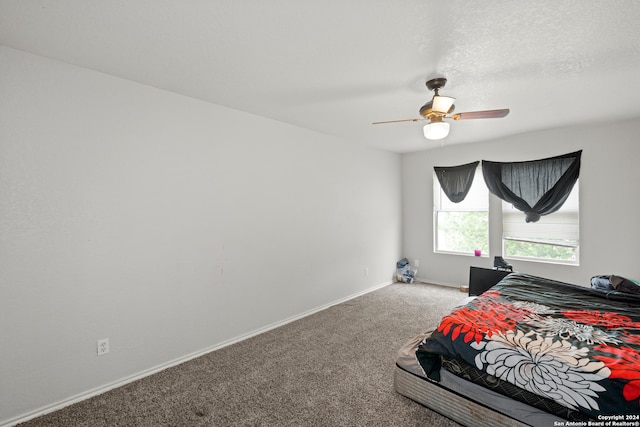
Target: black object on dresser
481 279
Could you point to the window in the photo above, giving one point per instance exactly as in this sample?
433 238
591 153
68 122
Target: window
554 238
462 227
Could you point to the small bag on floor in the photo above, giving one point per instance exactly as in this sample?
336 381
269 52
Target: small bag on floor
404 272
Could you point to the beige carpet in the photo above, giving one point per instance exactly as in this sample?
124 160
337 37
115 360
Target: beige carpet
333 368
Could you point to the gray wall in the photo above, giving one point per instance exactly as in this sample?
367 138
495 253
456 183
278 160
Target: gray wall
609 202
169 225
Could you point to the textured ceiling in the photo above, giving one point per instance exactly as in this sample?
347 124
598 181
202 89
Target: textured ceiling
336 66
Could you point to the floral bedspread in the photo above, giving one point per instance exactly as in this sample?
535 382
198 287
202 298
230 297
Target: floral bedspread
575 345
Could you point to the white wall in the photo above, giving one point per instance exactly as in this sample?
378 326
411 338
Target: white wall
166 224
609 202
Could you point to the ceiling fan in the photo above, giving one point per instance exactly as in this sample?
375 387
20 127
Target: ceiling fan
440 108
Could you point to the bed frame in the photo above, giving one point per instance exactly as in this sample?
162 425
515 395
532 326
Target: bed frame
447 403
458 399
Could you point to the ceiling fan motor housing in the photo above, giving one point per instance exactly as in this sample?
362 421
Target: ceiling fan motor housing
427 110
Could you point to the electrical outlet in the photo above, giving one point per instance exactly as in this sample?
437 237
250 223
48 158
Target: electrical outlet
103 346
366 271
416 263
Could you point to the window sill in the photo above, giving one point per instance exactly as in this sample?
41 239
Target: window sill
461 254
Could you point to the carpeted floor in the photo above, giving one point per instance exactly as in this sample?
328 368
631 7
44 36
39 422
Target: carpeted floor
333 368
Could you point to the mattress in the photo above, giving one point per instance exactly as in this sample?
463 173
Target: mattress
530 351
462 401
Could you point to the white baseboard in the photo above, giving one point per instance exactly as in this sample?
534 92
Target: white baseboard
437 282
119 383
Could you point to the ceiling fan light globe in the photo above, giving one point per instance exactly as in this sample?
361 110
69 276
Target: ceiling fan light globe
436 130
442 104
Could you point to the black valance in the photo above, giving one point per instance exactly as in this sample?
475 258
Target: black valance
456 181
536 187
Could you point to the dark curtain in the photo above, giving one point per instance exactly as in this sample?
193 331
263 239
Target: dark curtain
536 187
456 180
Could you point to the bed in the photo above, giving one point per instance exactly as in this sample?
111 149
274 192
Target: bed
529 351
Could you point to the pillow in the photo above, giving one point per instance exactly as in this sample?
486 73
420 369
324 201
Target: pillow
621 284
612 282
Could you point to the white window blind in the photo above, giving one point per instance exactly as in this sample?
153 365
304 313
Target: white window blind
477 199
556 228
559 230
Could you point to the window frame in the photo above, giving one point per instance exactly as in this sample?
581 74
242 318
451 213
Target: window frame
439 197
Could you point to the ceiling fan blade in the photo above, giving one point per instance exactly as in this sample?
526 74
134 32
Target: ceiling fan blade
398 121
487 114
